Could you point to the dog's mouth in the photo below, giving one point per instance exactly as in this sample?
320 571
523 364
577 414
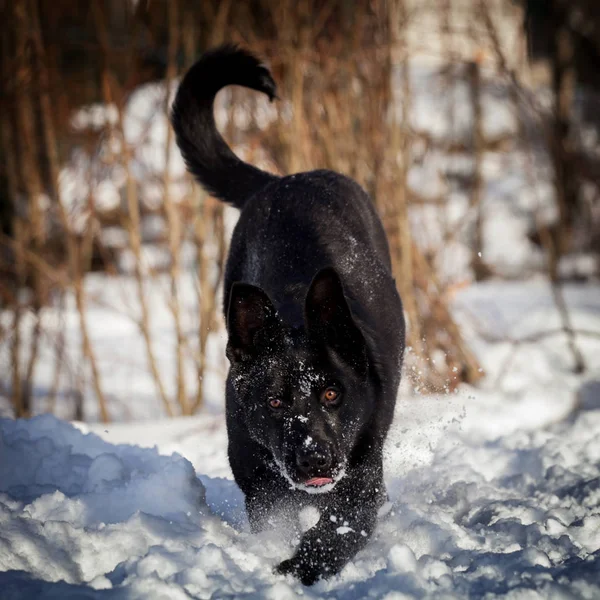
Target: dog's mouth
318 481
320 484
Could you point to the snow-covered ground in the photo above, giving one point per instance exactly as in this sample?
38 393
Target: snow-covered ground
493 492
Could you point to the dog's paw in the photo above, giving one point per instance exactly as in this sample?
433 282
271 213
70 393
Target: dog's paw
295 566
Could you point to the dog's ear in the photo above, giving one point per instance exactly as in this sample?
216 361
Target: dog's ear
329 319
251 321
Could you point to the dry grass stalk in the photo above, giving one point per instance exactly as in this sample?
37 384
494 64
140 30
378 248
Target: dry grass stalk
132 224
75 266
172 216
399 148
207 290
30 178
200 226
208 223
9 152
297 38
480 270
209 227
405 253
565 185
460 355
59 354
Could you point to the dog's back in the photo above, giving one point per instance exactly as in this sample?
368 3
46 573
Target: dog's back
316 329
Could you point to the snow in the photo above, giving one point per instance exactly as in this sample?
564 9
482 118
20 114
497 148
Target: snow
73 507
493 491
512 513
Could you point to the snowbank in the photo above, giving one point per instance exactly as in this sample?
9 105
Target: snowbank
470 513
73 507
493 491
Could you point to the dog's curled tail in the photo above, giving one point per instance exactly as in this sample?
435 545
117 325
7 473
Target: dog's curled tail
206 154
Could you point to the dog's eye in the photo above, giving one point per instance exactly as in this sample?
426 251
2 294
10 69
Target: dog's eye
275 403
330 395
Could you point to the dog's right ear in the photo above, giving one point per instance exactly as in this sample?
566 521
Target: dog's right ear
330 321
251 322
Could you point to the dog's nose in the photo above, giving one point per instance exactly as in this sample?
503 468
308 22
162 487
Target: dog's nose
316 459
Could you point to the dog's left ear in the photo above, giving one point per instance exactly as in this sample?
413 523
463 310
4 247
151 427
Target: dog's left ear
251 322
329 319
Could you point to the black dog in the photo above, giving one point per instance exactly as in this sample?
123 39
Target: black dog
315 326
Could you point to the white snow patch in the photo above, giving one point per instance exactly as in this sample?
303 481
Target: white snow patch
343 530
308 517
492 491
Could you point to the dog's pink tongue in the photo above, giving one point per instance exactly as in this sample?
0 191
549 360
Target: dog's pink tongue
318 481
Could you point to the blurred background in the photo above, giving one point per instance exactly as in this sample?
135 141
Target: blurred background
473 124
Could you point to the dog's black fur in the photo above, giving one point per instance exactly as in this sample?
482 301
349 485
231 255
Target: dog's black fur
315 330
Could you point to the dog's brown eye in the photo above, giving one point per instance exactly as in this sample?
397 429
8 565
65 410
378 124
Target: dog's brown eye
329 396
275 403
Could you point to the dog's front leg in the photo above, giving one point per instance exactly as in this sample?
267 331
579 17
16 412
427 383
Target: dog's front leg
343 529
